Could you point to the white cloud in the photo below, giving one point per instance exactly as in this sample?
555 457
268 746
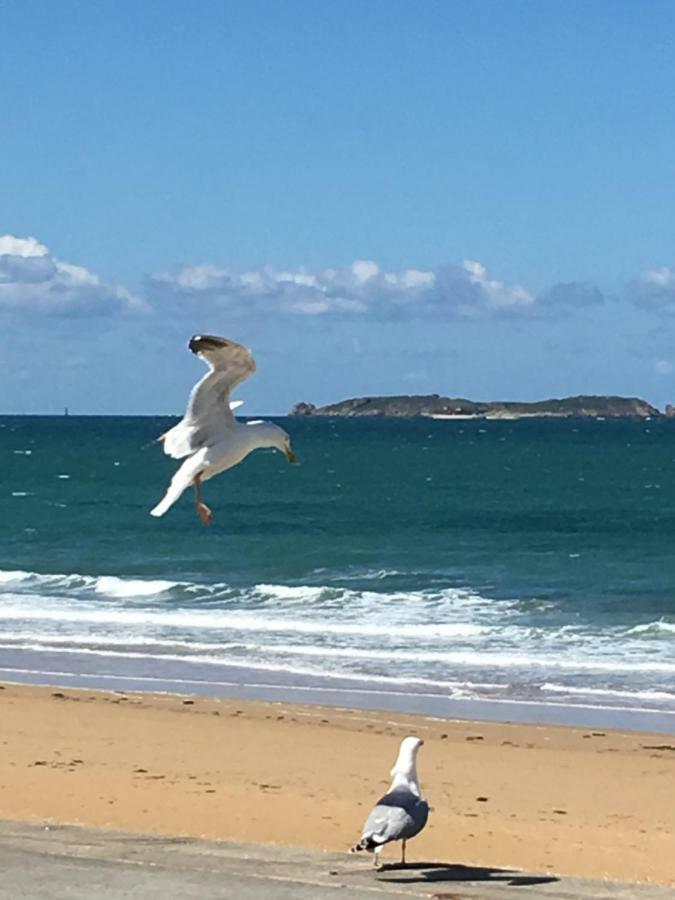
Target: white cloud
654 289
414 278
32 280
365 269
359 289
14 246
497 294
662 278
663 366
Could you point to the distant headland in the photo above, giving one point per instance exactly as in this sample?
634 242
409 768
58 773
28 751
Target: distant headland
437 407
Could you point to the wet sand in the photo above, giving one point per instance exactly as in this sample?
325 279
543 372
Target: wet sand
553 799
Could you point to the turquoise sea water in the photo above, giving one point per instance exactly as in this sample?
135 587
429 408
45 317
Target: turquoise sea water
488 561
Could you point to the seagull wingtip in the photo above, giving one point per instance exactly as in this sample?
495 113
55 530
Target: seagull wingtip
198 343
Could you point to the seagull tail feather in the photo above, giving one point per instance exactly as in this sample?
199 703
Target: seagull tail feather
366 843
179 483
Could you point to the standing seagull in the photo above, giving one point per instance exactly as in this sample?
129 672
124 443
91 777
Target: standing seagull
208 434
401 813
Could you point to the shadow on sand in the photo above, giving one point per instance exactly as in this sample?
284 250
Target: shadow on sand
432 872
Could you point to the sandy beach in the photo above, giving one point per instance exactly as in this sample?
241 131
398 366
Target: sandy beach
553 799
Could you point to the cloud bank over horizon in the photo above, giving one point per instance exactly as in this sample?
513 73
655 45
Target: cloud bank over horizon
323 333
360 290
33 280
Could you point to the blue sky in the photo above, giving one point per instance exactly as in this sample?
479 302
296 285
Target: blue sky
472 198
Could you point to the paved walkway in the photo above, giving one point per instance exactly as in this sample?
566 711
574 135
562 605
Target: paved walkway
40 862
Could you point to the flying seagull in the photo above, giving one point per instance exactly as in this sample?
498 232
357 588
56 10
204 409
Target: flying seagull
401 813
208 434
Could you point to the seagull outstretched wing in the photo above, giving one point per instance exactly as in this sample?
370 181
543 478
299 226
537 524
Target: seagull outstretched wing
209 411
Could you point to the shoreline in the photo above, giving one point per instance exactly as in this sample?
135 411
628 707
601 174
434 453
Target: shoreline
555 799
249 683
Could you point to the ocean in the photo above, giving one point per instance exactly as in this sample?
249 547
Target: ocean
494 569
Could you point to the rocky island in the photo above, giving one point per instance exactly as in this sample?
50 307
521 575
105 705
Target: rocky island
438 407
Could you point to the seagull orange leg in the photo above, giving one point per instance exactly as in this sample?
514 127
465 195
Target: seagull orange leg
203 511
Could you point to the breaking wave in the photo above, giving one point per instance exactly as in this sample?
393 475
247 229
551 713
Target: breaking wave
450 639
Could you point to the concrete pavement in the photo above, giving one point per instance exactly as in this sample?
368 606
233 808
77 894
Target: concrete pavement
45 862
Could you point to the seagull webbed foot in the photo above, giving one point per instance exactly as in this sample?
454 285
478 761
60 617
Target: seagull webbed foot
204 513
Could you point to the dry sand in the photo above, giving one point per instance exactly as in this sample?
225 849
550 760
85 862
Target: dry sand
563 800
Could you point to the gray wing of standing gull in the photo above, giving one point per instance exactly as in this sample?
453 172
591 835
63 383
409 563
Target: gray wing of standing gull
399 815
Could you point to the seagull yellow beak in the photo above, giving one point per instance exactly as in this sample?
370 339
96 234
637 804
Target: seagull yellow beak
292 458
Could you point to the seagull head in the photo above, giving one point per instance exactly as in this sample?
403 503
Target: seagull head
407 757
267 434
199 343
286 447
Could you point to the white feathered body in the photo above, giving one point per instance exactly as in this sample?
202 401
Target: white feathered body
402 812
209 435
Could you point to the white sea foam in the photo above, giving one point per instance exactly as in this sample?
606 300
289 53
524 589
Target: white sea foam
111 585
132 587
657 627
422 637
292 593
109 676
454 598
133 647
370 574
393 655
230 620
117 586
37 589
607 692
37 580
7 577
268 666
234 622
284 689
423 687
103 641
